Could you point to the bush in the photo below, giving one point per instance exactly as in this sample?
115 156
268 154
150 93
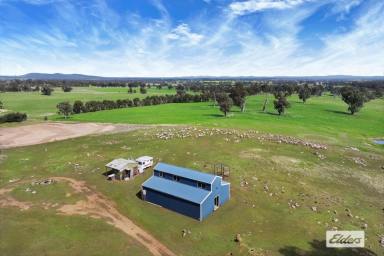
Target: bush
66 88
13 117
46 90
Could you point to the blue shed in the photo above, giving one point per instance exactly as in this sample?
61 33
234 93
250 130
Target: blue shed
189 192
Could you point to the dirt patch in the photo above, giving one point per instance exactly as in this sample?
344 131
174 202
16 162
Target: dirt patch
96 206
253 153
285 160
47 132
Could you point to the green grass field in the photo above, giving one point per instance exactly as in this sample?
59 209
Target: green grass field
37 106
321 118
265 221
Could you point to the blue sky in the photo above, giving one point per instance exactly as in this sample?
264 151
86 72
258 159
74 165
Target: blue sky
192 37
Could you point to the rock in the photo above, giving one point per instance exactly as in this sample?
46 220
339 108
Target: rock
183 233
314 208
34 192
359 161
364 226
382 241
334 211
238 238
349 215
335 220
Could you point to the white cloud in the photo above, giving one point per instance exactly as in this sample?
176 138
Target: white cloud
244 7
224 45
183 33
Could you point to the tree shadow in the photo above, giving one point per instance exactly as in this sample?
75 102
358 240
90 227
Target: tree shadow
270 113
319 249
214 115
338 112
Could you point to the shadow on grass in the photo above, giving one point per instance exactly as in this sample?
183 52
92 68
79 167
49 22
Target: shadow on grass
318 248
139 195
214 115
338 112
270 113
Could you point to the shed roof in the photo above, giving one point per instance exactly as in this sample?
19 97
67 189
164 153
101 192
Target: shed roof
176 189
185 172
121 164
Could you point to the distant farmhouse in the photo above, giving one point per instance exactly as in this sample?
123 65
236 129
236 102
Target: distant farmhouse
185 191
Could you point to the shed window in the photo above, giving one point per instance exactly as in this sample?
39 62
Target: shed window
201 185
176 178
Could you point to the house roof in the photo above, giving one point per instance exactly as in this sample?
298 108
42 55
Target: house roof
121 164
185 172
176 189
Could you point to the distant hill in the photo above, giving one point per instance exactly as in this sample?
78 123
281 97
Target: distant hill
81 77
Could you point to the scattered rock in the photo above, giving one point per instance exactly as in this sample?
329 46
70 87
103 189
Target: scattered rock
352 148
364 226
382 241
187 132
320 156
43 182
238 238
359 161
314 208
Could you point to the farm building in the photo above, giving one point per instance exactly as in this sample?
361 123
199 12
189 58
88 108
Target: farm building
185 191
125 169
122 169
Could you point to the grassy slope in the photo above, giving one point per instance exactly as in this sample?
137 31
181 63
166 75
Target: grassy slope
321 118
265 222
37 105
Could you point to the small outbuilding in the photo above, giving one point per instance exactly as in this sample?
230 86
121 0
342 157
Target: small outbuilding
122 169
189 192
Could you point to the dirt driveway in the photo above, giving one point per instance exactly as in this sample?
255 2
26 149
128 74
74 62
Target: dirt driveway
95 205
47 132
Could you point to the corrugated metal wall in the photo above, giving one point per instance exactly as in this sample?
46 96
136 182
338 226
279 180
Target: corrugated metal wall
173 203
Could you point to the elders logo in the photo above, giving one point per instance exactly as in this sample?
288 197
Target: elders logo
342 239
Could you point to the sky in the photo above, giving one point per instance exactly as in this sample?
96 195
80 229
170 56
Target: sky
168 38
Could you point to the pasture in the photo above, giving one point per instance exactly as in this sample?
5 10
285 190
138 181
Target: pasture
321 118
267 178
283 197
37 106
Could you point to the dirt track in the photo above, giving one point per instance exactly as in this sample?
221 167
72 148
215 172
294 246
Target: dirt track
97 206
47 132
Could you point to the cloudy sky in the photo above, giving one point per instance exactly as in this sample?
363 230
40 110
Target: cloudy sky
192 37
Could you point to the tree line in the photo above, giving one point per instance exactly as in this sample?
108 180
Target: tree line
66 108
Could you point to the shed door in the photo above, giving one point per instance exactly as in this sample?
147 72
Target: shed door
216 202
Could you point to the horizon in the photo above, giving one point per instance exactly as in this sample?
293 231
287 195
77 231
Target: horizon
67 76
202 38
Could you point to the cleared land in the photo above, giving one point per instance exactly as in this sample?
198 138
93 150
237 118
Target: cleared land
283 196
37 106
267 178
25 135
321 118
95 205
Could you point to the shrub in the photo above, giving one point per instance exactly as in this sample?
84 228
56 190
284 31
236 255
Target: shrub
13 117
